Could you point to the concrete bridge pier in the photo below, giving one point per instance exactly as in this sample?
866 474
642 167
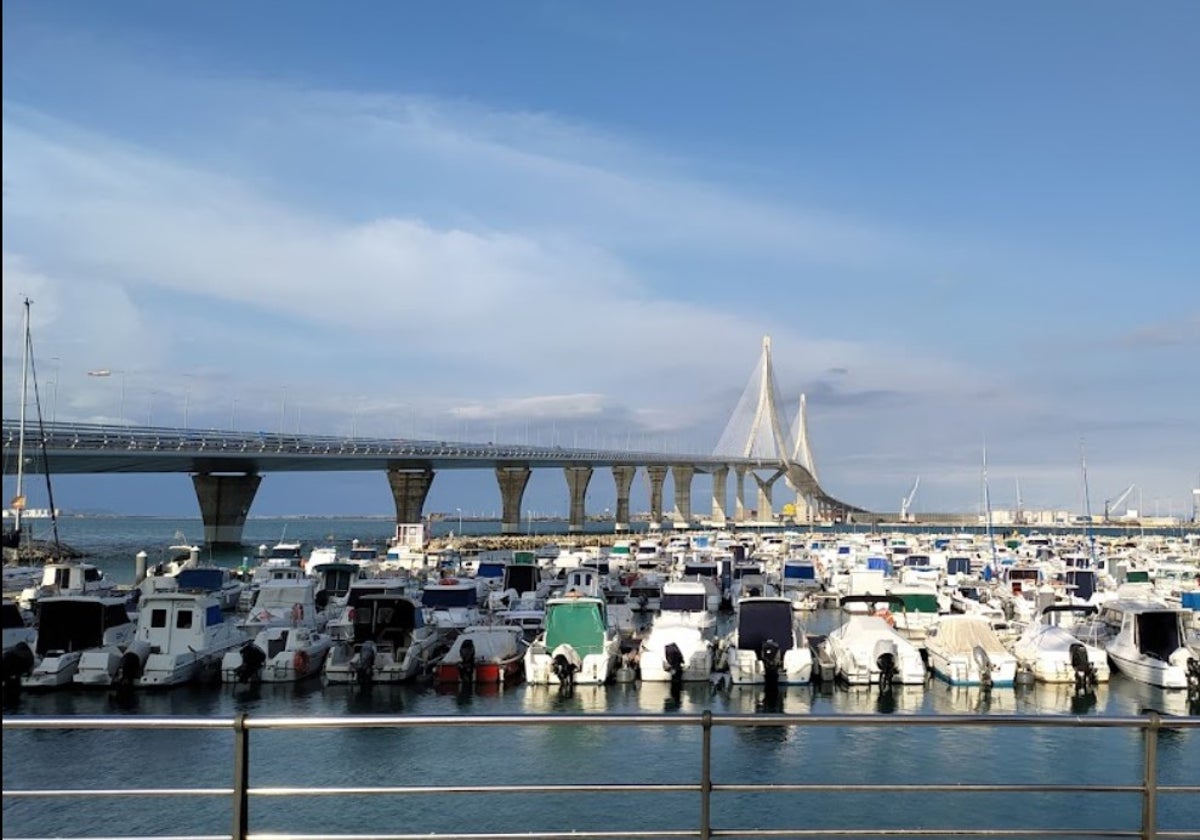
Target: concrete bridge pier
655 476
766 510
720 479
739 501
577 484
224 502
409 489
623 476
512 480
681 476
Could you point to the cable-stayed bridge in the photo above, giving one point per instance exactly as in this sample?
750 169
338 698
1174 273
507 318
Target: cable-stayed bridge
227 466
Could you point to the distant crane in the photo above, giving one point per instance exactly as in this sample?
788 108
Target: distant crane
1113 504
907 501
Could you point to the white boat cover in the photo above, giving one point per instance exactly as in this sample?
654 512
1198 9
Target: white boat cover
964 634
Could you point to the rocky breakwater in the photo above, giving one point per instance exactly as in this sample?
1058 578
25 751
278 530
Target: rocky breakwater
522 542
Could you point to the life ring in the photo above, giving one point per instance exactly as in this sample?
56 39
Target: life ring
297 613
300 662
887 616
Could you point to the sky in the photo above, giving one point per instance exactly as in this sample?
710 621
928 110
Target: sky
964 226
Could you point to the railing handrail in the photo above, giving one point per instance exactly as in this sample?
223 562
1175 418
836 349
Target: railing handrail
241 789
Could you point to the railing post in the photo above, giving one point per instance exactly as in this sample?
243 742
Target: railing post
706 777
241 778
1150 778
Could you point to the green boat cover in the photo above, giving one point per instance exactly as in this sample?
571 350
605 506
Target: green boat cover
578 623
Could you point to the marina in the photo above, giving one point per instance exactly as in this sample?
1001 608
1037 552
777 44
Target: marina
774 753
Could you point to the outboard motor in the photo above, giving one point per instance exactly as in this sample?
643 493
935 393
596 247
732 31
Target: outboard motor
253 659
1085 674
985 666
365 669
129 670
674 662
466 662
1193 677
565 662
17 663
886 663
772 659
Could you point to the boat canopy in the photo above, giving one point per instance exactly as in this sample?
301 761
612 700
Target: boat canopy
445 597
958 566
521 578
759 621
1083 582
378 616
579 623
880 563
205 580
684 601
1137 576
490 569
918 602
799 571
337 578
1158 633
75 625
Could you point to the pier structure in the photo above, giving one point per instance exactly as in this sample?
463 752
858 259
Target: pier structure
227 467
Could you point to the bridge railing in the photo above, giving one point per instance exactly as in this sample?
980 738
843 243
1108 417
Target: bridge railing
241 790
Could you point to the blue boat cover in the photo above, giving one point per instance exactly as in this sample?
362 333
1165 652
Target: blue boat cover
209 580
1190 600
799 571
879 563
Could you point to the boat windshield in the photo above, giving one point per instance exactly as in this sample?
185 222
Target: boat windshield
1158 633
684 601
759 621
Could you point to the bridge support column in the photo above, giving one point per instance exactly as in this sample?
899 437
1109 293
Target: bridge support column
409 489
681 475
512 480
224 502
766 511
720 480
623 476
577 484
655 476
739 501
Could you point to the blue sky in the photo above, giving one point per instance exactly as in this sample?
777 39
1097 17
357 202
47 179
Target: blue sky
558 221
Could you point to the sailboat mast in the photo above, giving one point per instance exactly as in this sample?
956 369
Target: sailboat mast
987 504
19 501
1087 503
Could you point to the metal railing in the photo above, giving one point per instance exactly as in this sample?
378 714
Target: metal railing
241 791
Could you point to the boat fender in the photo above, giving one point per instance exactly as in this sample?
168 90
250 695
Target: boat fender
301 662
297 613
887 616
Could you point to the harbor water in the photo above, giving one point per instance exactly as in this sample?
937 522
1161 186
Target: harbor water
582 754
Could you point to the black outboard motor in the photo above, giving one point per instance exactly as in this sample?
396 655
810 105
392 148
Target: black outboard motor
466 662
1085 674
365 670
772 659
1193 677
886 662
253 659
674 662
17 663
564 669
128 671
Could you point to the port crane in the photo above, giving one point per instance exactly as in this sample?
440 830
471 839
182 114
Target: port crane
906 502
1112 504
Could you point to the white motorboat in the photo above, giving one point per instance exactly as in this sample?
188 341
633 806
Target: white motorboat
867 650
277 654
681 641
965 650
72 627
391 643
181 637
1149 643
915 609
451 605
67 578
577 646
285 603
218 580
490 653
767 645
1052 652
